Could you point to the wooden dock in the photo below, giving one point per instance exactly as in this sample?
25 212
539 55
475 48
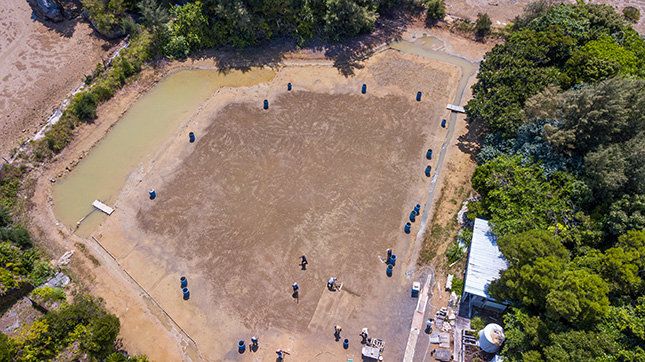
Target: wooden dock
103 207
455 108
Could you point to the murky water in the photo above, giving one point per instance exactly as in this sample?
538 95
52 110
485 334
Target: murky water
141 131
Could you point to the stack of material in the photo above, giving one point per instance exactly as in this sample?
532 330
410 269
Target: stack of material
434 337
442 355
444 339
440 317
449 282
468 339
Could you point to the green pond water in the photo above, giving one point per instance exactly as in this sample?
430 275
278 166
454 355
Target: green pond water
138 134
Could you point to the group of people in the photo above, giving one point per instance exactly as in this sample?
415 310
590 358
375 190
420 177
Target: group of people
331 285
364 333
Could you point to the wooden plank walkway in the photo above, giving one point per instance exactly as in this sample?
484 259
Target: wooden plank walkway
456 108
103 207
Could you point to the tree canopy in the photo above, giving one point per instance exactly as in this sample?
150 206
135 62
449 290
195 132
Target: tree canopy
561 178
565 45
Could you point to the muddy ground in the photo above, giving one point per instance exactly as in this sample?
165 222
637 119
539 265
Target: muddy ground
41 63
325 171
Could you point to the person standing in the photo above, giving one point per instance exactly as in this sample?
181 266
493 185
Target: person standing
303 261
389 253
331 284
280 354
337 331
429 325
364 334
295 287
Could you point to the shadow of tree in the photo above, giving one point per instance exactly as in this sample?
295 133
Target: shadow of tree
470 143
346 56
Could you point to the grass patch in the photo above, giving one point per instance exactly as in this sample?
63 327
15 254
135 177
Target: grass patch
86 252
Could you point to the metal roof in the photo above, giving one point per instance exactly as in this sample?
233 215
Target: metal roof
485 261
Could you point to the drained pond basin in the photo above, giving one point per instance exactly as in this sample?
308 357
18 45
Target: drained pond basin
325 171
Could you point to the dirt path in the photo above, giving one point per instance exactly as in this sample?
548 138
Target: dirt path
40 64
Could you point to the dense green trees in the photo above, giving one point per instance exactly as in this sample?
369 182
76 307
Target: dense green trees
201 24
565 45
519 198
82 327
561 178
436 10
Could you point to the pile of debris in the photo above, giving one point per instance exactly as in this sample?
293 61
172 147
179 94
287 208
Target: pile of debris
444 322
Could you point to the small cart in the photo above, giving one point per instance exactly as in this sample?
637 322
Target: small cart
373 349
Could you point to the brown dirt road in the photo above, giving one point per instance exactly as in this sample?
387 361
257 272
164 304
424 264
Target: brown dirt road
41 63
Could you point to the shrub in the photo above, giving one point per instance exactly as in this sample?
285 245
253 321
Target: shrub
477 323
436 10
129 26
177 48
17 235
5 349
458 285
482 25
49 294
116 357
41 270
104 89
84 106
454 252
60 134
632 14
5 216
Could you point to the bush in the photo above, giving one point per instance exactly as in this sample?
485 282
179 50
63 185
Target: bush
482 25
458 285
467 236
477 323
116 357
60 134
17 235
436 10
129 26
104 89
84 106
5 348
10 183
454 252
102 335
177 48
5 216
49 294
41 270
632 14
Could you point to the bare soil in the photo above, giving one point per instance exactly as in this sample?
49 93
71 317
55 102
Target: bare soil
245 288
40 64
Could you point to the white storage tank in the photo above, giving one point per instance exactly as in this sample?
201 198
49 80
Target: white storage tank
491 338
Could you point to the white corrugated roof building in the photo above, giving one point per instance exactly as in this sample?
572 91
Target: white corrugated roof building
485 262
